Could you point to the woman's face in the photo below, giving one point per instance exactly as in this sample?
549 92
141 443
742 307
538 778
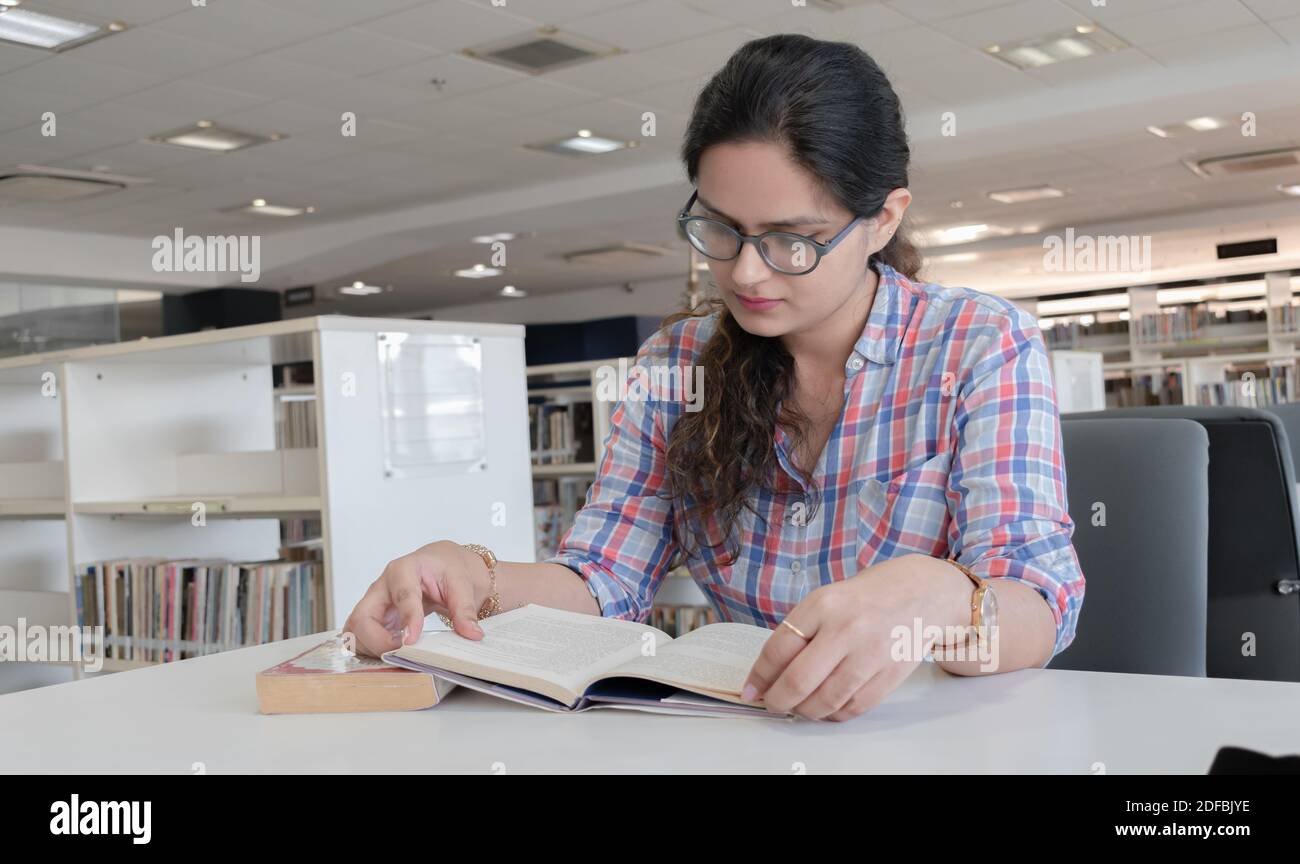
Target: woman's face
756 188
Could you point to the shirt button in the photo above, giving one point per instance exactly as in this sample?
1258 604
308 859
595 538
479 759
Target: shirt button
795 566
855 364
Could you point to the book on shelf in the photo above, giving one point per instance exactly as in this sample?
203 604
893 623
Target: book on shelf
328 678
1273 389
1184 323
561 433
569 662
154 610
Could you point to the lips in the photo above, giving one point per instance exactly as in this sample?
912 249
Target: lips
757 304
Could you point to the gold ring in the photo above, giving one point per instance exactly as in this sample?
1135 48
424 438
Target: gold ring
796 630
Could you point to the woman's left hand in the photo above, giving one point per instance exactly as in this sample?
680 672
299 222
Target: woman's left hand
847 665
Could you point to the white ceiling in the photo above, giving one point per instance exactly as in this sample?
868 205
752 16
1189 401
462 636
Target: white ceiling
432 166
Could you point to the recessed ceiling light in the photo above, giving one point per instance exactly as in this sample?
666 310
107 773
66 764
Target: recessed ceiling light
1027 193
584 143
48 31
1196 124
206 135
478 271
512 291
360 289
956 257
1289 189
494 238
1084 40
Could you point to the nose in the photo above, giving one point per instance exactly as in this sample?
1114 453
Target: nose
749 267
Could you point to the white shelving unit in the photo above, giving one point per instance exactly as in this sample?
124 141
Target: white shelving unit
107 453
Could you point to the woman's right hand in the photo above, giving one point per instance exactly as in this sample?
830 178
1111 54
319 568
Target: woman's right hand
441 577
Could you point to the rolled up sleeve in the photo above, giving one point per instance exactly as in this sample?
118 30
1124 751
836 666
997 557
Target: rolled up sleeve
1011 519
621 541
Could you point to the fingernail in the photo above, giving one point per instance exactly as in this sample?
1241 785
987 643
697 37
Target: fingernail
749 694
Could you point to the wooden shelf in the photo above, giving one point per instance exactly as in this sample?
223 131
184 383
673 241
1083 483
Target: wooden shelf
564 469
32 508
217 506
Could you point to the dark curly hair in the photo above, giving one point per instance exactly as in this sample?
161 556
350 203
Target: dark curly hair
829 105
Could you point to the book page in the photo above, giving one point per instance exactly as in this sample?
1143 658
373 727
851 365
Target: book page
537 642
715 659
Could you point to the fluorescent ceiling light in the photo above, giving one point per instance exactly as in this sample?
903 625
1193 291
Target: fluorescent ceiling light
494 238
1078 305
206 135
956 257
360 289
478 271
1200 293
512 291
1289 189
48 31
961 234
1073 44
584 143
264 208
1028 193
1196 124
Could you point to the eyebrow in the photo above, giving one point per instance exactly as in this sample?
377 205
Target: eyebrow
782 223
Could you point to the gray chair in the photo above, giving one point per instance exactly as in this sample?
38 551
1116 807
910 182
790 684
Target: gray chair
1289 414
1254 544
1139 497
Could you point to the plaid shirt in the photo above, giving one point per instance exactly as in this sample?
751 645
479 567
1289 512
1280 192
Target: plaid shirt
949 445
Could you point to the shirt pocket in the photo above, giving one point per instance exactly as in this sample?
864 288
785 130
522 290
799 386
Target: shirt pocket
907 513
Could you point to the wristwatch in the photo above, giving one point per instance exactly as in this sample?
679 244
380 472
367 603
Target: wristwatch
983 608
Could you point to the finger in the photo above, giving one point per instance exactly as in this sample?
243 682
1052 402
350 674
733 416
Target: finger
845 680
779 649
405 592
367 622
871 694
805 673
457 592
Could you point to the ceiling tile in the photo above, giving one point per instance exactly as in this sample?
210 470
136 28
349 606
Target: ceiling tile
252 24
188 99
1182 21
1217 45
354 52
448 25
147 50
646 24
1273 10
269 76
1000 25
458 75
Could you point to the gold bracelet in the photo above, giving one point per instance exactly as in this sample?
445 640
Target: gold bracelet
492 605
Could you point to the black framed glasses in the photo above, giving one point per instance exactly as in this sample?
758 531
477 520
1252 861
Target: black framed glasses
783 251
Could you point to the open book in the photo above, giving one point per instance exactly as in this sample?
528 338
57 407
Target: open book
567 661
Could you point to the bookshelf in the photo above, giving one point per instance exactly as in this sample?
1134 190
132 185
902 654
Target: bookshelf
181 448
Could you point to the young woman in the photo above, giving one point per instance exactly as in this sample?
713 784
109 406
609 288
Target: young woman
870 455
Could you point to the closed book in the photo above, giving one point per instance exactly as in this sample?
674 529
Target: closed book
327 679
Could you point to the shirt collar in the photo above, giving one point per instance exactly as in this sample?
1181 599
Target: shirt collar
890 311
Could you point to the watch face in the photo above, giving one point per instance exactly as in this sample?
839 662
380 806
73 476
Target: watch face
989 613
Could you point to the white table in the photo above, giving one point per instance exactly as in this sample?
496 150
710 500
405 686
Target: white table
166 718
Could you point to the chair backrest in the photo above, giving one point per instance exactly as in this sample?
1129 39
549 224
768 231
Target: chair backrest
1253 629
1139 497
1289 413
